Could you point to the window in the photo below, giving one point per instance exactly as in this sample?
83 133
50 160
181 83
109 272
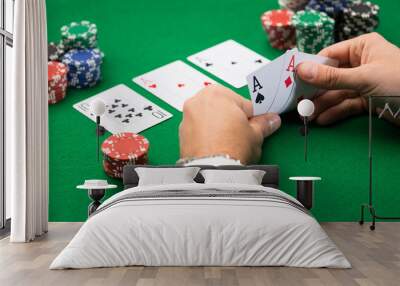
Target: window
6 42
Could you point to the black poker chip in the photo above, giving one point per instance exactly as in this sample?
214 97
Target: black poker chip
358 18
55 51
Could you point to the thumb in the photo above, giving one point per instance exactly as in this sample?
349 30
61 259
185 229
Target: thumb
327 77
266 124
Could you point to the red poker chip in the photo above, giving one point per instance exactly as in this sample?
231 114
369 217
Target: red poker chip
57 88
125 146
56 70
111 172
140 160
53 98
279 29
62 82
57 81
110 166
277 18
123 149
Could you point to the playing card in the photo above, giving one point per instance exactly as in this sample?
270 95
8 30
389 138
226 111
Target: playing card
230 61
263 86
174 83
287 84
281 88
126 110
300 89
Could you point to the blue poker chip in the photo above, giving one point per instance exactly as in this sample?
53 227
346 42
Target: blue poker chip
333 8
83 60
77 83
84 67
84 79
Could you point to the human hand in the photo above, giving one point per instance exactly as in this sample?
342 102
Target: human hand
219 121
368 65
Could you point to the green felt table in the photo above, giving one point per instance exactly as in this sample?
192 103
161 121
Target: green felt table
138 36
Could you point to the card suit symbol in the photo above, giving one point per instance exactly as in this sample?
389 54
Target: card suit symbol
131 110
129 115
207 83
117 100
125 120
118 116
124 105
288 81
139 114
114 105
259 61
153 85
209 64
181 84
148 108
259 98
111 111
233 63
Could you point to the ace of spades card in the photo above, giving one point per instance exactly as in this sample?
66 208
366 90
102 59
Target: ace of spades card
126 110
263 86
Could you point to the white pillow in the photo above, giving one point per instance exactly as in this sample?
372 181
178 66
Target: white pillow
247 177
164 176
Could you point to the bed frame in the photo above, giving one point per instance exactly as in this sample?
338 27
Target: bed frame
270 179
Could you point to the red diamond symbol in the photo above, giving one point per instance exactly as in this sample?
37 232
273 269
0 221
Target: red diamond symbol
288 81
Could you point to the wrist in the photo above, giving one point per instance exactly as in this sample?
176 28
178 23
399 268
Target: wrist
232 149
216 160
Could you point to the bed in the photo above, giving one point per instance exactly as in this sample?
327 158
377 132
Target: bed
201 224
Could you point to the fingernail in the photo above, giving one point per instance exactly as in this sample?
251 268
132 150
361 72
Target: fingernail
308 70
275 123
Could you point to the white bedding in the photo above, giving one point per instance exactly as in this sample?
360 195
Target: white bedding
200 231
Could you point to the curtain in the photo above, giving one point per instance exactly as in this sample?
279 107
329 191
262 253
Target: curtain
27 123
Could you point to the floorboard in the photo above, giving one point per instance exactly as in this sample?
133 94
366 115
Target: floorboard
375 257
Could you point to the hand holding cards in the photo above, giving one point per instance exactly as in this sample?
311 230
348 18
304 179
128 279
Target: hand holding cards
275 87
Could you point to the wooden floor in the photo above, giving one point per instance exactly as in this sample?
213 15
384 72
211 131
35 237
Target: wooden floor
375 257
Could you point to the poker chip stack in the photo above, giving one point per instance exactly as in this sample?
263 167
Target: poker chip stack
57 81
294 5
123 149
79 35
278 26
358 18
84 67
333 8
55 51
314 30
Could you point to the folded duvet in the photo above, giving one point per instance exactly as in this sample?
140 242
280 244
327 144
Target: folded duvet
201 225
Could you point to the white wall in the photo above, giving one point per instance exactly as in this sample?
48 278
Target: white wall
9 14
